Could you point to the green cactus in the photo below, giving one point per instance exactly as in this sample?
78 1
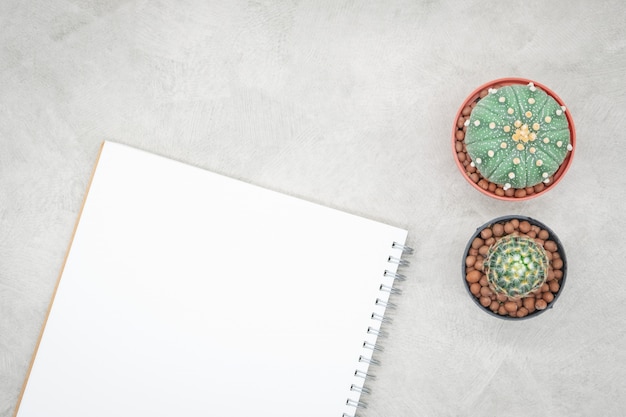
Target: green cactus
516 266
517 136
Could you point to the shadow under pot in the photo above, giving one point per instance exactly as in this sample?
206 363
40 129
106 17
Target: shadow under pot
514 267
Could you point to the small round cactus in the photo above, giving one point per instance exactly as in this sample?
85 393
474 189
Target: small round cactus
517 136
516 266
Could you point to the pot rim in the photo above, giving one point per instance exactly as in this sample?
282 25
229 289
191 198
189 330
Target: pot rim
532 221
558 175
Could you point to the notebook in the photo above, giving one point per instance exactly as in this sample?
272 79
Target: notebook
185 292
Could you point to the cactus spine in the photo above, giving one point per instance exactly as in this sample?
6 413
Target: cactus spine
516 266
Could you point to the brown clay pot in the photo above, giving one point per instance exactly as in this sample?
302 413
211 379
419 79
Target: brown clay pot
477 181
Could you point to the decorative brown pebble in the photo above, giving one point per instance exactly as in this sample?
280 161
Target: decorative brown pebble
510 306
475 288
502 298
541 304
498 230
460 122
509 192
545 287
467 110
550 245
520 193
483 250
522 312
502 311
556 263
529 303
460 135
558 274
509 228
499 192
547 296
473 276
494 306
477 243
478 265
484 281
485 291
554 286
524 226
458 146
543 234
485 301
474 177
486 233
515 223
484 184
470 260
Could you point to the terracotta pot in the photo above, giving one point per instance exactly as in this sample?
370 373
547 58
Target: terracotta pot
552 236
474 97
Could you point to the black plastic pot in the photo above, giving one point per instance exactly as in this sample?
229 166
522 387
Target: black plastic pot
552 237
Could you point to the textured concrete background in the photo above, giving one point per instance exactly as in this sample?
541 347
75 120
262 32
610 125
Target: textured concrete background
349 104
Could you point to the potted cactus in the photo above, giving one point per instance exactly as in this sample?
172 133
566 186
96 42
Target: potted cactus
513 139
514 267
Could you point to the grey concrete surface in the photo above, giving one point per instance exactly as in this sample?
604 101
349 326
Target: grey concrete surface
349 104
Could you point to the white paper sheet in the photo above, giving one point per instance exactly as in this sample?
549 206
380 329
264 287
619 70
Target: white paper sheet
190 293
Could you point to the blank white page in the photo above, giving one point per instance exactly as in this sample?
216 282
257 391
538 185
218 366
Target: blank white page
189 293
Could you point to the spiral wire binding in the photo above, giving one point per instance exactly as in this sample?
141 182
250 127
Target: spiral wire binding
363 374
394 275
360 390
371 346
405 249
390 290
369 361
398 261
375 330
385 304
381 318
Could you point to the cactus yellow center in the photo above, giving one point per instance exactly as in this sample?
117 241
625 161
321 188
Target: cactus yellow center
522 134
